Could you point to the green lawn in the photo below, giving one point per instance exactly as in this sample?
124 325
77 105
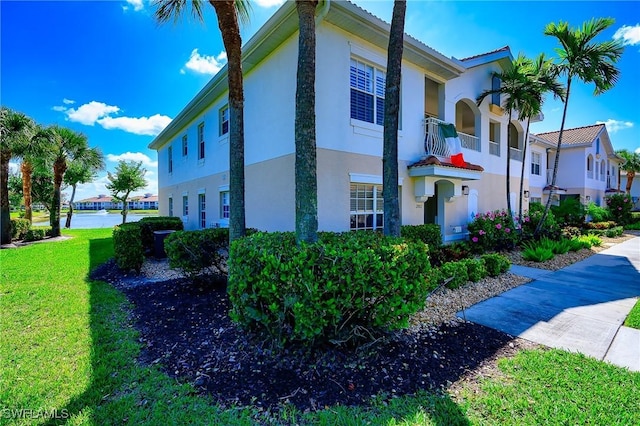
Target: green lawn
67 345
633 319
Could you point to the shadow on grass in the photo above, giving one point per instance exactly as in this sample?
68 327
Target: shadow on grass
121 391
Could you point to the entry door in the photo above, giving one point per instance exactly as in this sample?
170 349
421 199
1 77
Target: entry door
431 208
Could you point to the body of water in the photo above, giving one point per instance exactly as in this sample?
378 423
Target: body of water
95 220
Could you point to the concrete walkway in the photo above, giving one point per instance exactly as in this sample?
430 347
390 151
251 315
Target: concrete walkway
579 308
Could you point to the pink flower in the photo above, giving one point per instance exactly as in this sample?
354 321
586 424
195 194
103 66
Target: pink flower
526 219
619 208
481 232
507 230
474 239
498 226
626 200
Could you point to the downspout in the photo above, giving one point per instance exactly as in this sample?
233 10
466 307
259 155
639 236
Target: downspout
323 12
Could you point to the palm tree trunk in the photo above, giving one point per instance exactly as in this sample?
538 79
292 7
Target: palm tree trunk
524 157
305 126
70 212
508 178
556 161
5 220
392 220
631 174
26 169
59 167
230 30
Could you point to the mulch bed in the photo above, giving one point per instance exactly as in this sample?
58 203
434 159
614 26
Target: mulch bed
185 328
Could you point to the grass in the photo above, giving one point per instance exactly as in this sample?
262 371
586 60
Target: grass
633 319
68 345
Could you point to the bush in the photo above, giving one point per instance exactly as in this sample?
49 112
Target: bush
493 231
327 291
476 270
450 252
495 264
530 221
427 233
570 212
569 232
198 252
127 245
578 244
536 253
157 223
619 206
633 226
456 273
19 228
614 232
600 225
597 213
592 239
36 234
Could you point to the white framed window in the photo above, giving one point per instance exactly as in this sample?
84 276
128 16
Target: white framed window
201 141
494 138
367 207
202 210
185 146
367 92
590 166
185 205
535 200
223 119
603 168
170 155
224 205
170 206
535 163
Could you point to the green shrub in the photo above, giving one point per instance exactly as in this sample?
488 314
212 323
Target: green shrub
198 252
619 206
19 228
476 270
435 278
592 239
427 233
570 212
633 226
492 231
578 244
36 234
327 291
614 232
561 246
570 232
449 253
600 225
495 264
157 223
127 245
455 274
531 218
597 213
536 253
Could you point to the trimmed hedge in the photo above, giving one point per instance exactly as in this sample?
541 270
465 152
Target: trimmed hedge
496 264
428 234
157 223
198 252
19 228
456 272
616 231
128 248
329 291
36 234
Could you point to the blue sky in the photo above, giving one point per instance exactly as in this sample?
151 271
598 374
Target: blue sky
108 70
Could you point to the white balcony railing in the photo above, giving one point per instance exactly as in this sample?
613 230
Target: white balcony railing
494 148
549 176
516 154
435 144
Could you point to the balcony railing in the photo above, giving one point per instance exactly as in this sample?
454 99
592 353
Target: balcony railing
590 174
494 148
516 154
549 176
435 144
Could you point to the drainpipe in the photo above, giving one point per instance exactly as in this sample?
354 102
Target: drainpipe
323 11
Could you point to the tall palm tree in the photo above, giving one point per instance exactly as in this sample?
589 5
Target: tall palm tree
229 12
305 126
64 145
391 118
82 169
543 79
13 135
29 152
631 166
515 86
581 57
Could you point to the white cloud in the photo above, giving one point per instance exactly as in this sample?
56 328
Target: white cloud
637 151
615 125
269 3
204 64
59 108
68 101
13 167
150 126
138 5
89 113
133 156
630 35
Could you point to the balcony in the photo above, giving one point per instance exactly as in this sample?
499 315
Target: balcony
435 144
516 154
494 148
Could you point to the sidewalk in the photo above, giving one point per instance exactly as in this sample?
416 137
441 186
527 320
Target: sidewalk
579 308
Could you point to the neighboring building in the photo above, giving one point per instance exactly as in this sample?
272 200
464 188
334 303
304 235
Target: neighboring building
588 169
635 188
106 202
145 202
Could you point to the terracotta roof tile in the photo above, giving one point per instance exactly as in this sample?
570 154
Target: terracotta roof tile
433 161
585 134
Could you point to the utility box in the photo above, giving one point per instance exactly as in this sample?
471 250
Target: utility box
158 243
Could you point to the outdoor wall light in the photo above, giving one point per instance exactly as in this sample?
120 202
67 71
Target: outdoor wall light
588 198
526 194
465 190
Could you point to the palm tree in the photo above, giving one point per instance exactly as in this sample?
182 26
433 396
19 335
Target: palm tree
391 117
515 86
631 166
82 169
305 126
543 79
228 13
583 58
13 135
64 146
29 152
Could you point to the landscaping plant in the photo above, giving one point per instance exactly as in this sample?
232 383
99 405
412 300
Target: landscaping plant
495 264
493 231
619 206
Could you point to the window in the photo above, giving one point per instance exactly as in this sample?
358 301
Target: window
170 206
535 163
535 200
494 138
366 206
603 168
590 166
224 120
495 85
367 92
200 141
185 147
202 210
185 205
224 205
170 154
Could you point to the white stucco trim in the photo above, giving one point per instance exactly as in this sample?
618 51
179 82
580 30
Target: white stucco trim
223 188
372 179
368 55
201 191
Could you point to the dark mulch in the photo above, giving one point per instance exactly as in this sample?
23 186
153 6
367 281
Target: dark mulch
185 327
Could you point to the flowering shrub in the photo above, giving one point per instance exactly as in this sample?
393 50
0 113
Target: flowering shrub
494 230
531 218
619 206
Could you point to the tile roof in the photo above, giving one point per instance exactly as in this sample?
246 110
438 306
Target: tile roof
579 135
433 161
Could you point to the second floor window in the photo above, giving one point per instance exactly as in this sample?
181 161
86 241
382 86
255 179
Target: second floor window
224 120
170 154
200 141
367 92
184 146
535 163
